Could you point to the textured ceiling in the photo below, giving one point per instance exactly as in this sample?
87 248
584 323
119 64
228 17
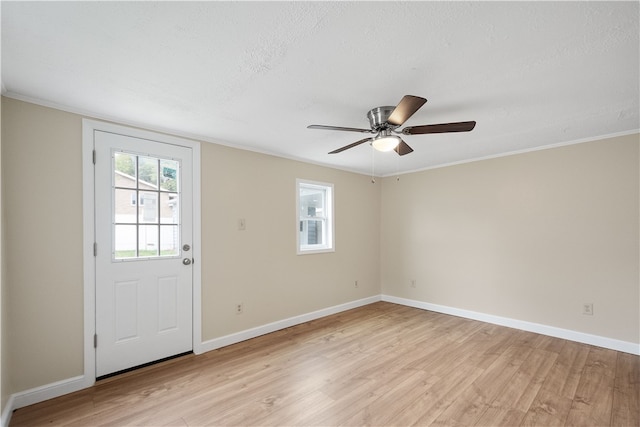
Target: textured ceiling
255 74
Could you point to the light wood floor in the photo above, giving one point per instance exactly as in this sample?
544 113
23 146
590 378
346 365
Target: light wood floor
382 364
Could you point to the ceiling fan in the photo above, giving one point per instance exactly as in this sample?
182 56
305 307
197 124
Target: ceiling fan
385 121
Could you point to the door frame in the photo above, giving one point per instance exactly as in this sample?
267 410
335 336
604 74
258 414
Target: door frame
89 127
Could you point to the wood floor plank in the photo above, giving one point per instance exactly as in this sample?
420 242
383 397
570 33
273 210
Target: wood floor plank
379 365
469 407
512 402
552 403
389 406
427 407
593 401
549 409
626 391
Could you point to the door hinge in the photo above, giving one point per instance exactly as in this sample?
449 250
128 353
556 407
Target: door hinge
95 249
95 340
94 157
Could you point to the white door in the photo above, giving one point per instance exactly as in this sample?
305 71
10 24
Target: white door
143 217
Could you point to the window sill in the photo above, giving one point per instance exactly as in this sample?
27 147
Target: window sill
302 251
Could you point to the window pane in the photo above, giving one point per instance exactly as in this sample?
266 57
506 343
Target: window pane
169 175
312 202
148 173
169 208
303 233
125 241
148 240
126 206
148 207
170 240
314 234
125 170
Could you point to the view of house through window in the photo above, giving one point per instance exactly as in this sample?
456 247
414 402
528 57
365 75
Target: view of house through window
146 206
315 216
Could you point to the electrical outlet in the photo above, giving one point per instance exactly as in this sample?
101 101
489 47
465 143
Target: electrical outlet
239 308
413 283
356 284
587 308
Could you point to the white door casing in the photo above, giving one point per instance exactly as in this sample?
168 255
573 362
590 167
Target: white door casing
143 304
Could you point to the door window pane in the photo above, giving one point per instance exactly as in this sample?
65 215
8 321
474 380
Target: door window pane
147 240
148 207
125 170
126 206
145 194
169 208
169 175
148 171
125 241
169 240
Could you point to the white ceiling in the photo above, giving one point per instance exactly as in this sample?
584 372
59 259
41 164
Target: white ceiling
255 74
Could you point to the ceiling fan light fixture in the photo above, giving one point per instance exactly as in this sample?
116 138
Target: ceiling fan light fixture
385 142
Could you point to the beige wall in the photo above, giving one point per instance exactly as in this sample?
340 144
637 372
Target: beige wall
42 198
42 175
529 237
259 266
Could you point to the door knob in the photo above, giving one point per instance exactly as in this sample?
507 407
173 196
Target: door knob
186 261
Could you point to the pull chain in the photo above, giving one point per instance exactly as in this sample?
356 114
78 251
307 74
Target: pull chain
373 152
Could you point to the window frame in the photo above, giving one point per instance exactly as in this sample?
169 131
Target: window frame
329 220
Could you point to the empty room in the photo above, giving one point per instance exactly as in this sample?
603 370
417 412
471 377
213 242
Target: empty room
320 213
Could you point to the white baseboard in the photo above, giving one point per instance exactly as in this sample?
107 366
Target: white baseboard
604 342
282 324
7 411
40 394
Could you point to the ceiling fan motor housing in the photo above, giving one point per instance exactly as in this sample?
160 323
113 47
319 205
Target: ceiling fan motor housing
378 118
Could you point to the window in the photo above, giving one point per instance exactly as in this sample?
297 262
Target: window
146 206
314 204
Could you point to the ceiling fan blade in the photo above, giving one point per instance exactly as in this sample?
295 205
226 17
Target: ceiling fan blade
323 127
403 148
439 128
405 109
346 147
